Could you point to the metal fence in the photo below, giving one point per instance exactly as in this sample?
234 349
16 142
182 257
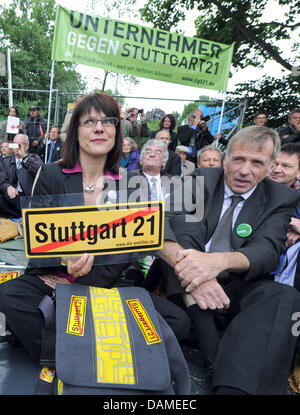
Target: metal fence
225 116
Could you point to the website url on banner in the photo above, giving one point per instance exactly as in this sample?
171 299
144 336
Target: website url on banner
197 81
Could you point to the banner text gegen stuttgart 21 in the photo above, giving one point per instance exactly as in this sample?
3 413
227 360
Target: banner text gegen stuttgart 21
141 51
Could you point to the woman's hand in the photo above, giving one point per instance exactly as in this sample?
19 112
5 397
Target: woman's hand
79 266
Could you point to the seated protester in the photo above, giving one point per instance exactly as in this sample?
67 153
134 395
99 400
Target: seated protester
5 150
131 154
168 122
81 170
291 133
53 144
195 135
209 156
286 170
36 127
17 174
12 112
219 264
187 167
173 165
154 156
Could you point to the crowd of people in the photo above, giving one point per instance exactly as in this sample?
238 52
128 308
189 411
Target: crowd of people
228 280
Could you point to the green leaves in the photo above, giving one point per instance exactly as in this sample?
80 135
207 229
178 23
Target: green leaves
229 21
27 28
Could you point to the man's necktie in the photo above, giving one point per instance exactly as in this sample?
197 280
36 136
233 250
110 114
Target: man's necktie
51 152
221 239
19 162
182 169
153 190
18 166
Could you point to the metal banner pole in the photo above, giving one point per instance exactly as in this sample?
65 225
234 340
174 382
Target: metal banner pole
49 107
10 95
222 113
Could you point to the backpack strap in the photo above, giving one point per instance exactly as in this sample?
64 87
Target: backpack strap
47 358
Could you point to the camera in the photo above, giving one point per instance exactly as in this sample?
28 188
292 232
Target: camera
205 118
140 111
13 145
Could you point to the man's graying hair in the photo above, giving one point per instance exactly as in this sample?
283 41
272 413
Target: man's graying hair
158 143
256 135
25 136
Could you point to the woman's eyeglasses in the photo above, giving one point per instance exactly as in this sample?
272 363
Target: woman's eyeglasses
106 122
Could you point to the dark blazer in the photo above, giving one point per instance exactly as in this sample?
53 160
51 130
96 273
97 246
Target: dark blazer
10 175
173 165
202 138
268 211
56 154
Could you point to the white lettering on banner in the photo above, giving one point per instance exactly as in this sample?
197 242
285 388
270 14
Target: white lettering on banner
92 43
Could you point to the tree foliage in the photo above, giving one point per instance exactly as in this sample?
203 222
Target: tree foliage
229 21
268 94
27 28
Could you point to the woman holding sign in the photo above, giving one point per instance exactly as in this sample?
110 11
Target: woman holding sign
12 123
91 155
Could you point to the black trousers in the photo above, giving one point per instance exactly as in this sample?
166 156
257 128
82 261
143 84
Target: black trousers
10 208
258 346
20 298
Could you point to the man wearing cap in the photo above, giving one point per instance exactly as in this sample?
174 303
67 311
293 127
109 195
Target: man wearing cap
36 127
187 167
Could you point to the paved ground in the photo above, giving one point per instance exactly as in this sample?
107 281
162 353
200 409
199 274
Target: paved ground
18 374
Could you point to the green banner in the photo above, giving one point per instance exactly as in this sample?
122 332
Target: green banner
140 51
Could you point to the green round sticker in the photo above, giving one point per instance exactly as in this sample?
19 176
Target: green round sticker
244 230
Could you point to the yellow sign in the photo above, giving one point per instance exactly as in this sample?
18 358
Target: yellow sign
143 320
9 276
100 230
76 320
47 374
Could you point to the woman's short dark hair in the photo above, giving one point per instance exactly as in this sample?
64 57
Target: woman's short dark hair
171 118
98 102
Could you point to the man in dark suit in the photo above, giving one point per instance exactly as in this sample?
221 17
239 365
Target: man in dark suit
17 173
54 146
195 135
231 287
156 183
